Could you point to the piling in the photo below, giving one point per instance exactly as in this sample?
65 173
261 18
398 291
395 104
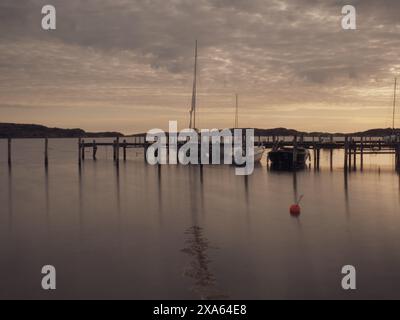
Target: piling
94 150
331 154
9 151
294 152
79 150
362 154
146 146
83 149
117 149
124 146
355 157
350 150
346 147
398 157
315 155
46 152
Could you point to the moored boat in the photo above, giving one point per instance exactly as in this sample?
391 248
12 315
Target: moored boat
283 158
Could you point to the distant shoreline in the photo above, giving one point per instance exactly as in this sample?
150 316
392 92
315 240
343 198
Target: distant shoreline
34 131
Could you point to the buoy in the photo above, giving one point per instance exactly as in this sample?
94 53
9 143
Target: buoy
295 209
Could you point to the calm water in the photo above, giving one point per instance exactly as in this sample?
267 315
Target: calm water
141 232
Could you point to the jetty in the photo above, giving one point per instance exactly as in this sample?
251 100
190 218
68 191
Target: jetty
355 148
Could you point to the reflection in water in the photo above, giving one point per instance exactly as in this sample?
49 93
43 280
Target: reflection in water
118 189
80 202
159 188
196 246
280 258
205 283
46 186
10 199
295 192
346 193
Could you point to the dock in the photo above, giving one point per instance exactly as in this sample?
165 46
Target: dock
355 148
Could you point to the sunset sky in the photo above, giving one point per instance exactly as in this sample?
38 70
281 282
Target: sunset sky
127 65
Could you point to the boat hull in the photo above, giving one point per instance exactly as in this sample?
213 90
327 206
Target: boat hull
283 159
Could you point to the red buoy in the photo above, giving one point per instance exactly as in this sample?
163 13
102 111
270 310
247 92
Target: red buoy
295 209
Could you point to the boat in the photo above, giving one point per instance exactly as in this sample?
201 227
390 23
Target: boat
282 157
258 150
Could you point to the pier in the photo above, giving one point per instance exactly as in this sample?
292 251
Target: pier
355 148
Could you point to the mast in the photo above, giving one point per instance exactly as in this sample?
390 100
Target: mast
394 103
192 124
237 112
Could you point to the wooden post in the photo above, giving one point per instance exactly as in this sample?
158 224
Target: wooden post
350 154
331 154
146 146
124 149
362 154
9 151
346 142
114 151
318 156
315 155
83 149
94 149
294 164
117 147
355 156
46 152
79 150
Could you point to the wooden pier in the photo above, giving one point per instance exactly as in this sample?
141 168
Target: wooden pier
355 148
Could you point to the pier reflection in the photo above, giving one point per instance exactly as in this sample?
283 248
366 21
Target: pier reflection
10 198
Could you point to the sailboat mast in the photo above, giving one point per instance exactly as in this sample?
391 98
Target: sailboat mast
192 124
394 103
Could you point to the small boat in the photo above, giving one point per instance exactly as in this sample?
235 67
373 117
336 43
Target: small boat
282 158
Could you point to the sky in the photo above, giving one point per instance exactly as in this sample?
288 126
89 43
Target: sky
127 65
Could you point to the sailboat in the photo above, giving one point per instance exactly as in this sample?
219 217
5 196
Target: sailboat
192 112
393 137
258 151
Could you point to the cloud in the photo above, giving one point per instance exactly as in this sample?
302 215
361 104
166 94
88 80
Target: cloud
140 53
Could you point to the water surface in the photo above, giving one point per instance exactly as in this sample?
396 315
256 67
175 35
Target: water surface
135 231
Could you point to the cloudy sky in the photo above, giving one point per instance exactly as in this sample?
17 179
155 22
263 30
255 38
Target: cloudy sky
127 65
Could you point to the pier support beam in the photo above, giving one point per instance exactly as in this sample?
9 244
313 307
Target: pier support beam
397 161
79 150
362 154
9 151
331 154
46 152
124 146
83 149
315 155
346 150
294 164
94 149
117 149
